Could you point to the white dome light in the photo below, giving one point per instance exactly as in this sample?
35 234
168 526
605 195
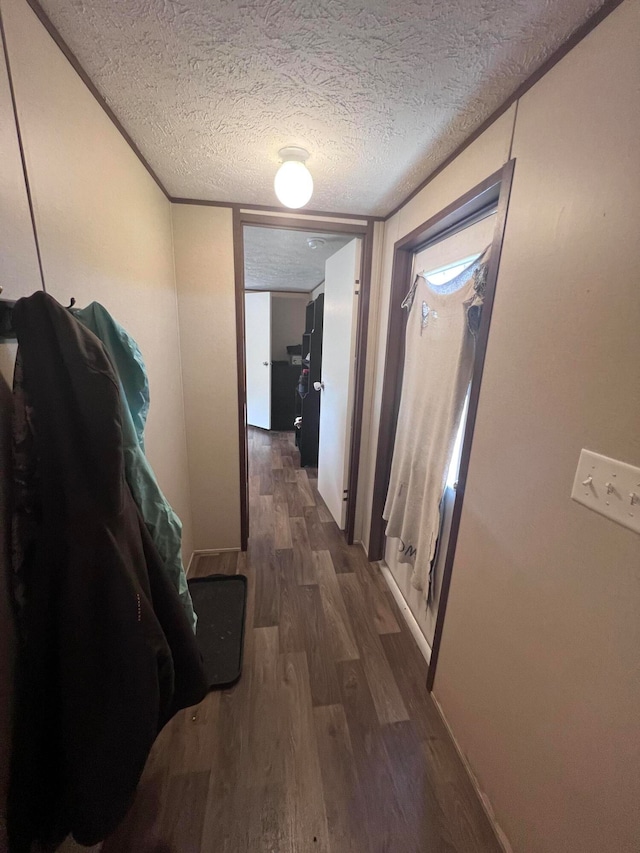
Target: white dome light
293 182
315 242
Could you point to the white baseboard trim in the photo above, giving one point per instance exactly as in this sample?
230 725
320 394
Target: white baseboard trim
211 552
484 800
409 618
208 552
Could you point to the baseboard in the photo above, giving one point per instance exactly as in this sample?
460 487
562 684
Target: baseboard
409 618
503 841
208 552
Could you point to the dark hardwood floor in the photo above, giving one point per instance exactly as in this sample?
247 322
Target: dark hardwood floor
330 742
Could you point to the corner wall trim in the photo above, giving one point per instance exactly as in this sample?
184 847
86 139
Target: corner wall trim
23 159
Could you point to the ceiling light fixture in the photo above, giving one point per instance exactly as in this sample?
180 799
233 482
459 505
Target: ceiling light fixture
315 242
293 182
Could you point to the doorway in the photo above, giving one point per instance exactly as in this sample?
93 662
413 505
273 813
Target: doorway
303 290
440 264
491 196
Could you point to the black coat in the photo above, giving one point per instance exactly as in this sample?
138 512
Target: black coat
105 653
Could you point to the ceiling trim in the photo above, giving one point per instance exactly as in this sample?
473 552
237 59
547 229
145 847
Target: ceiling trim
75 64
575 38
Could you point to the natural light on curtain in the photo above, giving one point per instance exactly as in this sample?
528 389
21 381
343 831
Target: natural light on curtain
436 277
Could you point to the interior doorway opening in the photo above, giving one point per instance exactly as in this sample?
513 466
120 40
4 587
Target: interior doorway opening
490 198
440 264
304 299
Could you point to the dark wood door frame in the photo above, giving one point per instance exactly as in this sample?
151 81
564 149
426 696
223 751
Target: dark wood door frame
365 232
491 194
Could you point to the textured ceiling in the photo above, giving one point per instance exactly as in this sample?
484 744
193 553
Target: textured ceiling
379 91
277 259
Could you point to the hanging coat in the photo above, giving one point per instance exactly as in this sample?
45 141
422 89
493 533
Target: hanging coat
162 522
105 652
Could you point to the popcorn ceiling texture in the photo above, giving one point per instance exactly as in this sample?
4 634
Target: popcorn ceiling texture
276 259
379 91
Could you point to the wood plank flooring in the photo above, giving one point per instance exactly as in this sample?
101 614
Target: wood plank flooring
329 743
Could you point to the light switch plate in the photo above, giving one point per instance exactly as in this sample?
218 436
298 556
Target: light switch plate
609 487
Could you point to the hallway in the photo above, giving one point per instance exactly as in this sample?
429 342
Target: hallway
329 742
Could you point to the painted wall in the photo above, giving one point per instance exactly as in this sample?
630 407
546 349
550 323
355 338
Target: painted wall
203 243
104 228
18 276
287 322
539 674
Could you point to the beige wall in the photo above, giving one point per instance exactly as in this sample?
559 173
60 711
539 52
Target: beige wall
287 322
104 228
203 243
539 673
540 669
19 273
19 276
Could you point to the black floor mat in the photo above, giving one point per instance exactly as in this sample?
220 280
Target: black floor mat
220 602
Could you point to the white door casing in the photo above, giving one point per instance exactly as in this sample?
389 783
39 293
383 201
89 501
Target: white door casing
338 376
257 326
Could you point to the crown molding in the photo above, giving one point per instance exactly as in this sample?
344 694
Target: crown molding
575 38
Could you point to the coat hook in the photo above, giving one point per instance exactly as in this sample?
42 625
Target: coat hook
72 303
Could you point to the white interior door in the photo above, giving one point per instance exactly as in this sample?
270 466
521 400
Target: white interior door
338 373
257 327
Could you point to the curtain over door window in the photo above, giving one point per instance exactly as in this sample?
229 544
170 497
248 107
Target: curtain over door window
445 266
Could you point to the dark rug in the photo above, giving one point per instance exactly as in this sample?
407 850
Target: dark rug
220 602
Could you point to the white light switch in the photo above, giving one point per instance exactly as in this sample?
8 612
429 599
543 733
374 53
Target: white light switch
609 487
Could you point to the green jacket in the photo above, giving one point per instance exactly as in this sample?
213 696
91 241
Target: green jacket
161 521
